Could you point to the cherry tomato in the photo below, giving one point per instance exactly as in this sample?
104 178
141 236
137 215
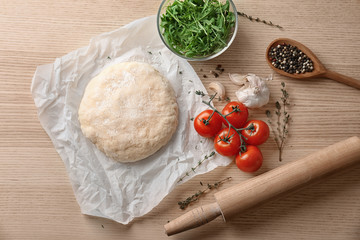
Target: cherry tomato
227 143
258 135
238 116
204 126
250 160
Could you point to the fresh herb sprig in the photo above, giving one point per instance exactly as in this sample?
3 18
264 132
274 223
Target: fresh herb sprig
197 165
184 204
238 130
197 28
282 123
241 14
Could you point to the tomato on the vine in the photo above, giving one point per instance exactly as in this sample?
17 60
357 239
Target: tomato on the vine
227 143
258 134
208 127
250 160
236 113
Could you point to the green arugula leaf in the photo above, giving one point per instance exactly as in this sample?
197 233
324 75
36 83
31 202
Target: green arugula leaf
197 28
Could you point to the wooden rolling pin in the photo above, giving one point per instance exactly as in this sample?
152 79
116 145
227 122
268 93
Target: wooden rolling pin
269 185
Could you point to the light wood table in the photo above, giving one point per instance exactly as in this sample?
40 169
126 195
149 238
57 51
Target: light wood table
36 198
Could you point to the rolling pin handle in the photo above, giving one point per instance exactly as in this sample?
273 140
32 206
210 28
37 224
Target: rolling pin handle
192 219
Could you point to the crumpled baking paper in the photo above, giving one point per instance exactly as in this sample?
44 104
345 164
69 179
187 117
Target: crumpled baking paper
103 187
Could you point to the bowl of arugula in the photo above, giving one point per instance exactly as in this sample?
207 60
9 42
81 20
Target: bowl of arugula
197 30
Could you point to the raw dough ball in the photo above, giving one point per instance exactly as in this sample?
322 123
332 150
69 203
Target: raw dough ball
129 111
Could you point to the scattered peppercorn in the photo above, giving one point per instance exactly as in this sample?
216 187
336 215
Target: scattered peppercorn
219 68
216 72
216 75
290 59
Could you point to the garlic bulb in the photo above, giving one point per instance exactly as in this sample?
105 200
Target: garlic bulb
255 93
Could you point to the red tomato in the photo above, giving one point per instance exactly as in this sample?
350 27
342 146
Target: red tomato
238 116
204 126
250 160
258 135
227 143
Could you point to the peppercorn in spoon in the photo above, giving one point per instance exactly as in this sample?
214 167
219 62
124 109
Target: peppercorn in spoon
292 59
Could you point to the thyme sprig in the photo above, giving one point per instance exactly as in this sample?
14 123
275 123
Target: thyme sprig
197 165
282 123
238 130
258 20
184 204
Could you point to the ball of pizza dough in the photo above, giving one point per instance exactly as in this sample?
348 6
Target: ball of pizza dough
129 111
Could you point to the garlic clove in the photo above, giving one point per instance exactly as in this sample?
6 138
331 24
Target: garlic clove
218 88
238 79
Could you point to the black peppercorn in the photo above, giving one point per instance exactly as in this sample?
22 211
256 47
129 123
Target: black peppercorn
290 59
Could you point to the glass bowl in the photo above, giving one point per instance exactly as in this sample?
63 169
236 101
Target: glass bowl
197 57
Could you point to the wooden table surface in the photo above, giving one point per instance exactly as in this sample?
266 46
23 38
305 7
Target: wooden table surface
36 198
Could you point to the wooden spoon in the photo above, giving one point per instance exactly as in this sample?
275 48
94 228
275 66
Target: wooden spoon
319 69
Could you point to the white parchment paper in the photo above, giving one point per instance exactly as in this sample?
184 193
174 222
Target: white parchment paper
103 187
